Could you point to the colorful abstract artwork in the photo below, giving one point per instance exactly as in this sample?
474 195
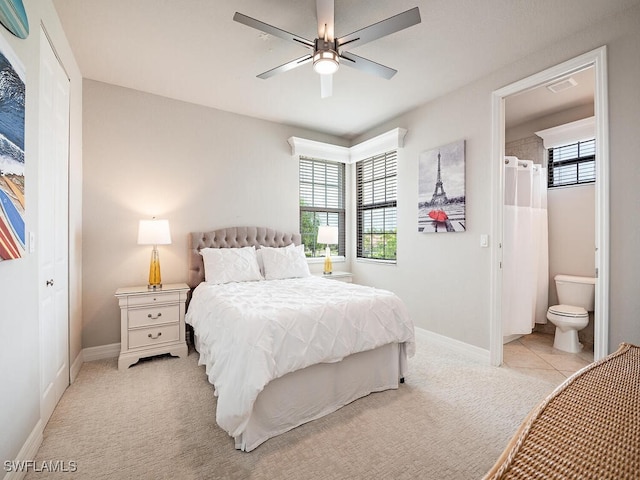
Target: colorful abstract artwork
12 102
14 17
441 189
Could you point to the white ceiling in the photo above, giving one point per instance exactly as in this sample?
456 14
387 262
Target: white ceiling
541 101
192 50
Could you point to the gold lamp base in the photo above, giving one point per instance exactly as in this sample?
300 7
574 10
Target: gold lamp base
328 266
155 279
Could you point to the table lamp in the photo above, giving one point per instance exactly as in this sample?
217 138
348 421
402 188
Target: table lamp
154 232
328 236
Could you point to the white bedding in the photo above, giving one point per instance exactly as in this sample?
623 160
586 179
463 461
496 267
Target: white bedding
250 333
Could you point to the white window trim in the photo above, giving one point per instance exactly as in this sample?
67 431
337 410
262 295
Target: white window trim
334 259
568 133
391 140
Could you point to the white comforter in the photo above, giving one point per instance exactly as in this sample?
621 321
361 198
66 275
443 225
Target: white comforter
250 333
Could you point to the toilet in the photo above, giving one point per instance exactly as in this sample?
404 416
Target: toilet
576 296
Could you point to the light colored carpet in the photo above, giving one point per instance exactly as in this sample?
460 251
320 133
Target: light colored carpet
450 420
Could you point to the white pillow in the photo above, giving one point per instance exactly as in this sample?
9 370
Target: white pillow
224 265
262 249
287 262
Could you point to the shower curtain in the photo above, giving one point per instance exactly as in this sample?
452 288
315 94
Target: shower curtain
525 280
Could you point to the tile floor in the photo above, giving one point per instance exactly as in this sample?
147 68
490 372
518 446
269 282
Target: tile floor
534 354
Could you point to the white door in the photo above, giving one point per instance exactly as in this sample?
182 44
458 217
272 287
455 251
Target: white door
53 241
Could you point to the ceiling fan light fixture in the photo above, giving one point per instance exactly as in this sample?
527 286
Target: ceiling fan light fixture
325 62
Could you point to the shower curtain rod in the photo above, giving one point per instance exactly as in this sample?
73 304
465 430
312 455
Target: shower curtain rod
523 164
520 164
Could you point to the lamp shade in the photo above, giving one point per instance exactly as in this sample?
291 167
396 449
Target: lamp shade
327 235
154 232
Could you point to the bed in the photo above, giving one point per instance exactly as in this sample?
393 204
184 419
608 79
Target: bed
587 428
286 347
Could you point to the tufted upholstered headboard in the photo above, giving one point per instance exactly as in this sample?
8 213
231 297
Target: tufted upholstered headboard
233 237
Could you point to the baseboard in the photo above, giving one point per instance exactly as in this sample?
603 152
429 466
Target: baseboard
479 353
76 366
101 352
17 469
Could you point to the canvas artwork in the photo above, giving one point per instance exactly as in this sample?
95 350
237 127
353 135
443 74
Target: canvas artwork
14 17
441 189
12 97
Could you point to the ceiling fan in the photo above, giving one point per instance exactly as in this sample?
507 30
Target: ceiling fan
329 52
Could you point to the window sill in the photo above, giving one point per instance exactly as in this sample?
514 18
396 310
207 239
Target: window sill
376 261
334 259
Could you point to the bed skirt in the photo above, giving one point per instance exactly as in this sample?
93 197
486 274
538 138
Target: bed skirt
318 390
313 392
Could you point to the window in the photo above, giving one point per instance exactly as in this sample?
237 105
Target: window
572 164
376 194
322 188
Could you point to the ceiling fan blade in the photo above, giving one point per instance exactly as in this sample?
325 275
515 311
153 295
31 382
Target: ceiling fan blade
271 30
380 29
324 10
326 86
365 65
286 67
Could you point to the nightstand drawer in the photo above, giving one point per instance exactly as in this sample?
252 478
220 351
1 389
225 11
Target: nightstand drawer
155 297
145 337
142 317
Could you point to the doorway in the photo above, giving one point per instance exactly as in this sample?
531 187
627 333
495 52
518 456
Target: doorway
597 60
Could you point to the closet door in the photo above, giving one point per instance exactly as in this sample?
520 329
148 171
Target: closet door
53 223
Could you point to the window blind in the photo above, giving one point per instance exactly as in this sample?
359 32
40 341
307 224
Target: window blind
572 164
322 192
376 206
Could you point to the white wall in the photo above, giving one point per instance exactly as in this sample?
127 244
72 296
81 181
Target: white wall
19 335
201 168
444 278
571 233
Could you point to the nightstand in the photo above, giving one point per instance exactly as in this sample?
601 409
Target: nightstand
151 322
346 277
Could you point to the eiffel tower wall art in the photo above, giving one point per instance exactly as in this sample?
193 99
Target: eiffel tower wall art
441 192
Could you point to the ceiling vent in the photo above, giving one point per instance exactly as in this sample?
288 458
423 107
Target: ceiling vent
562 85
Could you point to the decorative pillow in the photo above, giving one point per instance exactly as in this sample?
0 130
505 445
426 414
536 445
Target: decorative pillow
287 262
262 249
224 265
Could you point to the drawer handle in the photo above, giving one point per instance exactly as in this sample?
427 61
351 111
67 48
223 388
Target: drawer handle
156 317
157 336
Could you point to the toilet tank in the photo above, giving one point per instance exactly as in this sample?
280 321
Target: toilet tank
576 291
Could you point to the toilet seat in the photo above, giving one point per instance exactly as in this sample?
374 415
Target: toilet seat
568 311
568 319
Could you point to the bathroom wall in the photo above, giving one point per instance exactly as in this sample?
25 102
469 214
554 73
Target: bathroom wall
528 148
571 212
572 239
